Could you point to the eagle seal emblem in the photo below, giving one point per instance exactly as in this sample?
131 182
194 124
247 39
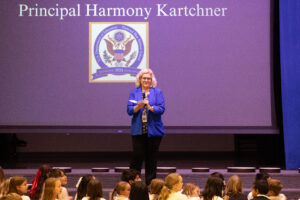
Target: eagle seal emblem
118 49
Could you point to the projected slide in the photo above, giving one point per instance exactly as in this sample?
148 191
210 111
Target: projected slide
73 63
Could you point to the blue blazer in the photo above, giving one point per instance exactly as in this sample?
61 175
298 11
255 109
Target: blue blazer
155 124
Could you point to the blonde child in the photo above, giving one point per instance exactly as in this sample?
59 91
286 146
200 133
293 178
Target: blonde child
192 191
234 189
121 191
171 189
52 188
61 175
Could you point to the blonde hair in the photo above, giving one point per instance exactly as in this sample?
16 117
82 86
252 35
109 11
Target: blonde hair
171 180
275 186
234 185
5 187
189 188
48 190
141 73
121 186
12 196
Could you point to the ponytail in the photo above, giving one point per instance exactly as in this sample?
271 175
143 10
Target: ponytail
164 193
171 180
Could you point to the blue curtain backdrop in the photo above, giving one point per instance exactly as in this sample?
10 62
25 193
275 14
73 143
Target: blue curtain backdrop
289 15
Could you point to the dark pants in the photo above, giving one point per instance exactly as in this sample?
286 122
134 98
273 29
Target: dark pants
145 148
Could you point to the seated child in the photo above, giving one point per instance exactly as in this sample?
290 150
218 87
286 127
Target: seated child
275 187
260 189
192 191
18 185
94 190
155 187
121 191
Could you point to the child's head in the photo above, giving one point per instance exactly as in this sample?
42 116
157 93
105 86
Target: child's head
234 185
63 177
18 184
38 182
52 188
82 185
58 173
122 188
173 182
260 176
260 187
213 187
131 175
221 176
275 187
191 190
156 185
94 189
139 190
218 175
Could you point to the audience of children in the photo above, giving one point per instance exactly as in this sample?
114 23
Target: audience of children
48 184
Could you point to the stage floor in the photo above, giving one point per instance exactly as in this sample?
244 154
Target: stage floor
181 160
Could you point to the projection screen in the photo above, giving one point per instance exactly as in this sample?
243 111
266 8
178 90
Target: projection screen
212 60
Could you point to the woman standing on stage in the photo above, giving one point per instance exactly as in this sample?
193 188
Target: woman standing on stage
146 105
